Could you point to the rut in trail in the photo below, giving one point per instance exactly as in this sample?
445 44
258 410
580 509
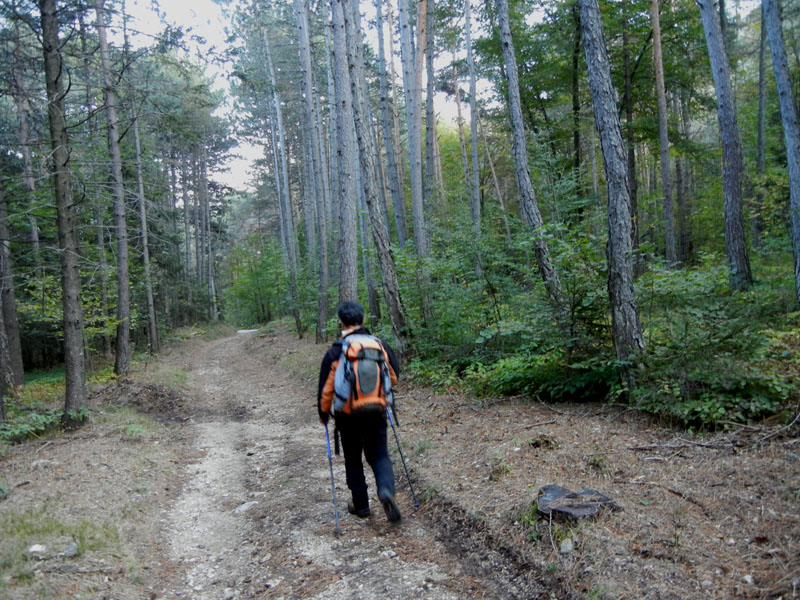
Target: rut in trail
255 517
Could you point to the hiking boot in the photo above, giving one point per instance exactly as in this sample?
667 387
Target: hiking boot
361 513
389 506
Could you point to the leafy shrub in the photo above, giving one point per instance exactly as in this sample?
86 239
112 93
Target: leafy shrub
548 376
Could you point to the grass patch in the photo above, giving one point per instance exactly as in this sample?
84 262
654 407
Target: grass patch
37 526
133 425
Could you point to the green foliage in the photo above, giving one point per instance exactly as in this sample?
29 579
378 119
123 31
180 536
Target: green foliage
715 357
547 376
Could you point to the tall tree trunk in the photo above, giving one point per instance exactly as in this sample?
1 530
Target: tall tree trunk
663 137
528 204
122 359
285 192
461 140
629 133
576 101
475 188
681 177
380 235
23 113
411 81
98 204
152 322
8 299
735 244
756 224
75 393
187 240
396 118
791 129
626 330
431 190
394 176
318 168
5 378
333 157
346 152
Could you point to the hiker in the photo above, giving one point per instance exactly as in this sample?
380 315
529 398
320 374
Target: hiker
365 430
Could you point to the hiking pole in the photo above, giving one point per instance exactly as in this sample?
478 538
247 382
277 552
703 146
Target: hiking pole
402 458
333 486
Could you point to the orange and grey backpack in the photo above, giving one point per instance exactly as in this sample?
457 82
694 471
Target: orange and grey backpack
362 382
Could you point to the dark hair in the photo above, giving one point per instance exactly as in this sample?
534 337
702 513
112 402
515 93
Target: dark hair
351 313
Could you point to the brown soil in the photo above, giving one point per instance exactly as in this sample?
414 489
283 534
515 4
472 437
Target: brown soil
226 494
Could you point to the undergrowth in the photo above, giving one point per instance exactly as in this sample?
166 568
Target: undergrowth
711 359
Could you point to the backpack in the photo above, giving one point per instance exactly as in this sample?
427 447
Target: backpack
362 382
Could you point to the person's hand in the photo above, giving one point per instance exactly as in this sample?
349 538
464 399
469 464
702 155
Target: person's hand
323 418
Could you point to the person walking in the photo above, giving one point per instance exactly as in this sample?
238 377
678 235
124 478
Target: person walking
361 432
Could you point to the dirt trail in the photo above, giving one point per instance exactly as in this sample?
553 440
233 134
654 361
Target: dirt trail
255 516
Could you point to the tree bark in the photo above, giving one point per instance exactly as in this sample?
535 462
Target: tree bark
285 192
380 235
152 322
791 129
414 123
318 168
740 276
475 188
75 393
431 190
122 346
8 299
528 204
626 330
756 224
663 137
395 179
346 157
23 113
629 133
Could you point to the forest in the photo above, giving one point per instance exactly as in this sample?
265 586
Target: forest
611 215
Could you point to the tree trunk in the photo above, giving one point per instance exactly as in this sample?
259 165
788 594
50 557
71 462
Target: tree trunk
122 359
395 180
736 247
380 235
528 204
461 140
576 102
626 331
5 377
23 113
8 300
152 323
475 188
75 393
413 92
396 121
663 137
346 157
431 191
681 176
318 168
791 129
285 193
629 133
756 224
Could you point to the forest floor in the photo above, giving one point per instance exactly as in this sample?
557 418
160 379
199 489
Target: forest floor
219 488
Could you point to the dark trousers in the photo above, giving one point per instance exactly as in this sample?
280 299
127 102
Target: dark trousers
367 434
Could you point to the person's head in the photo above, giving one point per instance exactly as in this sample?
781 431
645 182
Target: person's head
351 313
